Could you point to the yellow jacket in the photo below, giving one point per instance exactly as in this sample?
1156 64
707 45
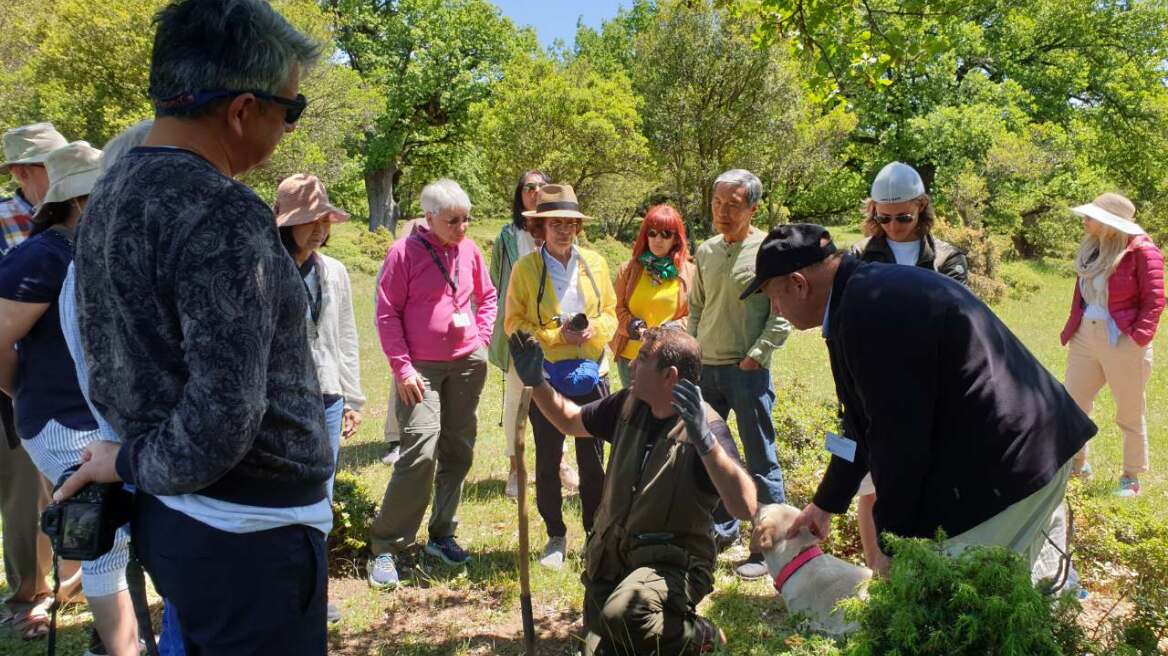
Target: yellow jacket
521 311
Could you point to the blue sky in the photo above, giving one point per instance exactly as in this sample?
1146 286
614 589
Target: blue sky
556 19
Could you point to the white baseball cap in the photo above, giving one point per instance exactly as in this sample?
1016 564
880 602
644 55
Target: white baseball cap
896 183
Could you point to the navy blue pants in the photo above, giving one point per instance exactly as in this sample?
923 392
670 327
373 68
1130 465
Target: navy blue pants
236 594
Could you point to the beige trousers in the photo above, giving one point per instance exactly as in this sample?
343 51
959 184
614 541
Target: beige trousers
1092 362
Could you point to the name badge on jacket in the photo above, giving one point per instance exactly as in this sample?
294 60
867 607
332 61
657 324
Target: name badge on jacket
460 319
840 446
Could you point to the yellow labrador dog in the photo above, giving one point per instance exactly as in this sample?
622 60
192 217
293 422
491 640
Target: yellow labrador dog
810 581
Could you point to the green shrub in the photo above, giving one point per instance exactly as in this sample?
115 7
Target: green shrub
614 252
983 255
981 602
1020 280
1124 547
353 513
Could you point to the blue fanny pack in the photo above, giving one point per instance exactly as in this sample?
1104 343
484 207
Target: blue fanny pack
573 377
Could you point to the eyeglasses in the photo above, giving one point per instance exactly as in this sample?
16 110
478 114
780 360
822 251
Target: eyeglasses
458 220
664 234
899 218
293 107
532 186
563 225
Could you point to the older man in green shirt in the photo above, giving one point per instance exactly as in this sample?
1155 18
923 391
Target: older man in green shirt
737 339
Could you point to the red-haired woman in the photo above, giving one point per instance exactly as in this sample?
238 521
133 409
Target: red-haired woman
651 288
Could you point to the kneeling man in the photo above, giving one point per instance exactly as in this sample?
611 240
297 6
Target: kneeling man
650 557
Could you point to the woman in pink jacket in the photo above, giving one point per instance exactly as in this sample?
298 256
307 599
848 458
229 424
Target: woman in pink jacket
1119 295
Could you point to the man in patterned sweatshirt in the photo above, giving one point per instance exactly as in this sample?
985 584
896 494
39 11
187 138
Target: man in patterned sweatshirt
193 322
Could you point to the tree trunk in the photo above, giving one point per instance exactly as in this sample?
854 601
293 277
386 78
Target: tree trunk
383 207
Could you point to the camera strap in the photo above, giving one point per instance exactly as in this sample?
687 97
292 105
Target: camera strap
136 579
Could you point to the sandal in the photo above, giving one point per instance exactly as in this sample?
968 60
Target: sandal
33 622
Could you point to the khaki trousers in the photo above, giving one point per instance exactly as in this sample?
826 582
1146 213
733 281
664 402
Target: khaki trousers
1126 367
24 493
437 449
648 612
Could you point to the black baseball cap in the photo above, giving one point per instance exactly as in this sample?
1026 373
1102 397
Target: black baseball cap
788 248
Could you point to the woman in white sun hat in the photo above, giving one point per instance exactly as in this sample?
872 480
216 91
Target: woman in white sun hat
1118 298
53 420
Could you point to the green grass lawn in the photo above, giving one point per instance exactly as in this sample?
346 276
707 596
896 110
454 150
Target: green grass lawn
476 610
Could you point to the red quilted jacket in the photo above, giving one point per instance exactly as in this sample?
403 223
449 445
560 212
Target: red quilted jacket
1135 293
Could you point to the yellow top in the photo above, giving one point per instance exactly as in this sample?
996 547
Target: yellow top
521 312
653 304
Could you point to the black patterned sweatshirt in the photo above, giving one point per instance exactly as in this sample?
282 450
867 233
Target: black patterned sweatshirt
193 324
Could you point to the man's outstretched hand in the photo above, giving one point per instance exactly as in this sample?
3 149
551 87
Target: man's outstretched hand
97 466
814 519
527 358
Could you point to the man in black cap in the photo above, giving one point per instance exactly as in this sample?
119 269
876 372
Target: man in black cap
961 427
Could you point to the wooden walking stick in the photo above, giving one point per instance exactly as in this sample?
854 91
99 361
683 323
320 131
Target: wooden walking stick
524 545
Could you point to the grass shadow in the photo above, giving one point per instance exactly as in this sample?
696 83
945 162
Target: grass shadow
508 641
355 455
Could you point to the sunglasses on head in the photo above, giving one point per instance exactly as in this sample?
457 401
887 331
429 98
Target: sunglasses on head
532 186
293 107
899 218
654 233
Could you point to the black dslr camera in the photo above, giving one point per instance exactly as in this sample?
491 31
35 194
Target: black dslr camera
83 526
577 322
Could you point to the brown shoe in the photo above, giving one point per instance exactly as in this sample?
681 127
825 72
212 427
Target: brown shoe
710 637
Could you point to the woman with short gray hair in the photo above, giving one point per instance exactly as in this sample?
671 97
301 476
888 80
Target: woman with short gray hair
435 315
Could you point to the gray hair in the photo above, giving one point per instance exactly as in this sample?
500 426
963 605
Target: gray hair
743 178
223 45
128 140
444 194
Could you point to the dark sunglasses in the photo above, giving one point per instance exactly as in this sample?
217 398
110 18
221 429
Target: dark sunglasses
293 107
899 218
664 234
532 186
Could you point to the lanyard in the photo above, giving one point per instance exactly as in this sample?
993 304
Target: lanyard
442 267
315 301
543 276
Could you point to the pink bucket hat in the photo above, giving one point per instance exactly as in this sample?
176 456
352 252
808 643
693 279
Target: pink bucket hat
302 199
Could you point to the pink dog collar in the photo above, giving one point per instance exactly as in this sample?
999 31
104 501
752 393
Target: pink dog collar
806 556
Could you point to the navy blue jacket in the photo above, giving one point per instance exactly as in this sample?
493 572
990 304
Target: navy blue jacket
954 417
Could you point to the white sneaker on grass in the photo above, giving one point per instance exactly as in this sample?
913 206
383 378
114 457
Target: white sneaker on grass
553 553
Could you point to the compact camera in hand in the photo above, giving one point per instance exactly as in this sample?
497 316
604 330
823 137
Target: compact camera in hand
83 526
577 322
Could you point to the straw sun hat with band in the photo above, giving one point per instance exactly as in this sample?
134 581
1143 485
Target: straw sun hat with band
556 202
73 169
1112 210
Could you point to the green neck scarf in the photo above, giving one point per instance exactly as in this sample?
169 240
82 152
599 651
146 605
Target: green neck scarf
659 268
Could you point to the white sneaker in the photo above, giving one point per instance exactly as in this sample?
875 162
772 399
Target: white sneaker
553 553
568 477
512 490
392 455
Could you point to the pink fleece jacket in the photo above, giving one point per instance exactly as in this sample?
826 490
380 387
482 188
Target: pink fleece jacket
1135 293
416 306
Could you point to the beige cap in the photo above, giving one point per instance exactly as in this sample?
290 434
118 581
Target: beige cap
30 144
1113 210
73 170
302 199
556 201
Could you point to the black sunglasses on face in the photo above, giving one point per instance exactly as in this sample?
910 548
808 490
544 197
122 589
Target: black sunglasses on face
293 107
899 218
664 234
532 186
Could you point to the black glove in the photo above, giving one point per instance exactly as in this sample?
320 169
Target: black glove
687 401
527 358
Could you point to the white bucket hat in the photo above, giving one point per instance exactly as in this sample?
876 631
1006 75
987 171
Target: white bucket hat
73 169
1113 210
30 144
896 183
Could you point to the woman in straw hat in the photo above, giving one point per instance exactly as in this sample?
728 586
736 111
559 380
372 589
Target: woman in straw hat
521 236
54 420
1118 298
562 294
305 217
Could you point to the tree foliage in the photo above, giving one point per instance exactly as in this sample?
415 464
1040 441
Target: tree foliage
430 61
